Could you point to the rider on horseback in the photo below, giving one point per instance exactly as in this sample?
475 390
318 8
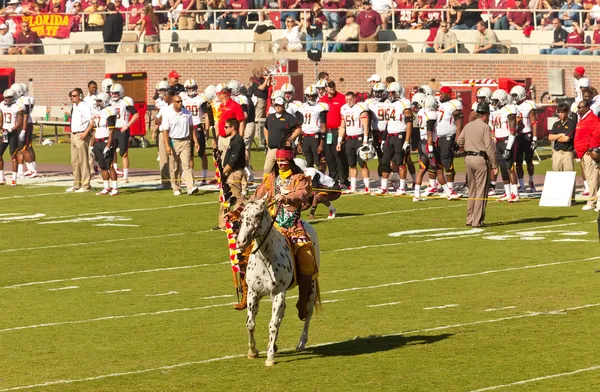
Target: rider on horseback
287 185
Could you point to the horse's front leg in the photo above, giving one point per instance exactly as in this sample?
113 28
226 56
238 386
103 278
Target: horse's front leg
253 302
278 311
310 307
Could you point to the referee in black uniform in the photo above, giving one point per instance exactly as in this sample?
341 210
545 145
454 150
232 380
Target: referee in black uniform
280 127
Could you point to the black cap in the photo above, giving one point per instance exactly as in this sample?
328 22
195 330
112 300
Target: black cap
331 84
483 108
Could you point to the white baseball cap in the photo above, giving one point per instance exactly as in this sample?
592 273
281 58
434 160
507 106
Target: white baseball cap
374 78
584 82
278 101
3 26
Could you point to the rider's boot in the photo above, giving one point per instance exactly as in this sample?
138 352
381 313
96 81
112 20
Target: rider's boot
304 292
243 303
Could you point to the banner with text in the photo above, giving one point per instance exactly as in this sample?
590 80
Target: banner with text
47 25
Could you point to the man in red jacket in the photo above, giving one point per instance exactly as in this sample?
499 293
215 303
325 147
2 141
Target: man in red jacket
337 163
587 137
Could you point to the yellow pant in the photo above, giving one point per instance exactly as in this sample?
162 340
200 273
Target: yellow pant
306 259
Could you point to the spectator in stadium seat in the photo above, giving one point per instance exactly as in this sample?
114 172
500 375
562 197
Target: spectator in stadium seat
348 33
333 17
498 19
467 20
521 17
6 39
236 19
593 17
487 41
286 15
384 7
369 22
24 40
291 36
560 38
315 24
404 13
595 48
574 43
187 20
567 17
77 17
69 5
445 41
135 15
113 28
95 18
215 5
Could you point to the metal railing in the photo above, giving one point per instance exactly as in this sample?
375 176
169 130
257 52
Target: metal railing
215 14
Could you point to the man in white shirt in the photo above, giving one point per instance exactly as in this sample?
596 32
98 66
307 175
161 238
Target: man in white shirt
6 39
81 128
177 126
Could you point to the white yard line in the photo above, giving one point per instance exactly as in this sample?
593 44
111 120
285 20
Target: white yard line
228 357
388 213
112 275
496 309
133 210
386 304
114 291
543 227
400 243
512 384
64 288
441 307
36 195
115 225
162 294
218 296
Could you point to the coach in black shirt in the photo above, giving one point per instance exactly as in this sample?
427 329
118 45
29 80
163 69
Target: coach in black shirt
562 134
560 37
280 128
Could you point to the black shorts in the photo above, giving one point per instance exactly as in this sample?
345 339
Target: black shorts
30 135
415 139
351 148
310 145
378 137
446 145
431 164
12 141
103 163
201 141
523 147
393 152
505 165
21 143
122 141
332 193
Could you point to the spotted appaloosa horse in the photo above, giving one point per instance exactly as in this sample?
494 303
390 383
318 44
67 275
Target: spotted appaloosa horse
270 272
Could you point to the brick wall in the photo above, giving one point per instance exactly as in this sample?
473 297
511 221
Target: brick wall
54 76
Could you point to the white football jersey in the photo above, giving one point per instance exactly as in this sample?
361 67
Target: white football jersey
380 113
524 109
241 99
9 115
500 122
90 100
396 122
594 107
160 103
324 180
123 114
446 124
423 116
312 117
164 110
351 117
101 130
291 108
194 105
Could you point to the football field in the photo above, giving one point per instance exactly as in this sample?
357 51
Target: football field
134 293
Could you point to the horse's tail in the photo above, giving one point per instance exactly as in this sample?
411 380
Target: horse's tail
318 304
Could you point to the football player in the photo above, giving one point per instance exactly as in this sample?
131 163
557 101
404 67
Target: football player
320 86
107 84
399 116
379 109
12 123
105 119
526 140
449 126
484 94
355 130
127 115
248 108
24 144
505 125
425 89
429 151
289 91
422 116
195 103
29 154
313 126
325 190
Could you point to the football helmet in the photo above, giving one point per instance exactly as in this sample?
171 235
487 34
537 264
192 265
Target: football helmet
102 100
161 87
219 87
210 92
117 89
366 152
518 93
396 91
107 84
289 91
25 88
191 87
500 98
301 163
425 89
418 101
322 83
311 95
379 90
9 96
277 94
484 94
18 89
430 103
234 86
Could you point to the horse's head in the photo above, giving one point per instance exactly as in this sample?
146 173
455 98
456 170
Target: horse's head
251 221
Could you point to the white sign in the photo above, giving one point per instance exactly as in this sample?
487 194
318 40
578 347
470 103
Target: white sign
558 189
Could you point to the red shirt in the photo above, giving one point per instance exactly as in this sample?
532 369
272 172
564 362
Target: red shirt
367 22
597 36
334 115
150 28
134 18
240 5
230 109
405 15
574 40
584 133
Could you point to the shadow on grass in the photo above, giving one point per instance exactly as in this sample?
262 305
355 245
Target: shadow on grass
539 219
366 345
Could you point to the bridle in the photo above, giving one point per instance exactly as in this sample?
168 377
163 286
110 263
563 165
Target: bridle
270 226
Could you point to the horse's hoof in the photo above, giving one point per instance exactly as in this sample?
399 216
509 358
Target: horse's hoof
269 363
300 348
252 354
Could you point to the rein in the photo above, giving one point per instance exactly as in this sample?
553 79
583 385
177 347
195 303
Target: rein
270 228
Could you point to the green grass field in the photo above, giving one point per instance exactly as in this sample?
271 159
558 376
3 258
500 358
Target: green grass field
146 305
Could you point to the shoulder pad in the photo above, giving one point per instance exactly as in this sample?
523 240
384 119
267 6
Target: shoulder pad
457 104
324 106
111 110
128 101
532 104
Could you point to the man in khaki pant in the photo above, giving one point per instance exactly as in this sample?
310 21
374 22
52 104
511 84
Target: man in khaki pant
562 135
234 162
177 125
81 128
369 24
163 158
